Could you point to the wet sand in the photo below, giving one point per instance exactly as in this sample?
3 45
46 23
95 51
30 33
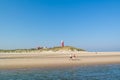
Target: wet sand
56 59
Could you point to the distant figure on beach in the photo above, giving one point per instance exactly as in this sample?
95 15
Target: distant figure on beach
72 56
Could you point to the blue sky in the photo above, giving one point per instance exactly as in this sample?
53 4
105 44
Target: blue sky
93 25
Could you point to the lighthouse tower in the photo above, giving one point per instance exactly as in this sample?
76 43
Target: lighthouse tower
62 43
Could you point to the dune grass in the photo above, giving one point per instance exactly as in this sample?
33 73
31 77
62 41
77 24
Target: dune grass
66 48
54 49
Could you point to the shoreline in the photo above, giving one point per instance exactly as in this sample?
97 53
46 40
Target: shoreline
56 60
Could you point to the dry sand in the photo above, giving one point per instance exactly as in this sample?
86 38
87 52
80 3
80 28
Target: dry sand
56 59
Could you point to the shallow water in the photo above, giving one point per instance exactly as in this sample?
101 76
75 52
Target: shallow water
96 72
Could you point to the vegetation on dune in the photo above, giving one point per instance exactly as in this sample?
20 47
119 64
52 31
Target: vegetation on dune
59 48
66 48
17 50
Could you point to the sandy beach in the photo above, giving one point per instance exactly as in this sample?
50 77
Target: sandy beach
56 59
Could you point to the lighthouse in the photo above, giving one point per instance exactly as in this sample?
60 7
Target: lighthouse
62 43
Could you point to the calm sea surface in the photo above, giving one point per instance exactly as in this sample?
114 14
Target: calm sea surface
96 72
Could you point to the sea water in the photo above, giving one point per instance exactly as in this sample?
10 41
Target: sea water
95 72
